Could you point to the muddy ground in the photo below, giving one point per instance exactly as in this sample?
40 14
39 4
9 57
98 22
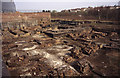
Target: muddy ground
62 50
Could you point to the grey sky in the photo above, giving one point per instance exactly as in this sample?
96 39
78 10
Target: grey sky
66 0
60 4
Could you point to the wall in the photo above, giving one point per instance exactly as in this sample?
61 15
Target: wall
17 20
8 7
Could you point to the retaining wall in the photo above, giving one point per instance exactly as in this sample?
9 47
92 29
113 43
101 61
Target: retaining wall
18 20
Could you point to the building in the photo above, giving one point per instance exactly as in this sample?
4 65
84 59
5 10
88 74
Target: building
8 6
119 3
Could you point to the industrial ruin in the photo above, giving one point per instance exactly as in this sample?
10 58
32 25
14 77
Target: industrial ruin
36 44
8 6
33 44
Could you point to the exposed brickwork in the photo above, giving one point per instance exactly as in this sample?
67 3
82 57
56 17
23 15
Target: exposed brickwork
28 19
7 17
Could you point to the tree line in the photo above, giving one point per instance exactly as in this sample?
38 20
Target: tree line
98 14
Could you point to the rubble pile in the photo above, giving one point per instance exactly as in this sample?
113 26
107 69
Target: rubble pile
61 50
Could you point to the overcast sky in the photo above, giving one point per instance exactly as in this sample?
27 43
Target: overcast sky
60 4
66 0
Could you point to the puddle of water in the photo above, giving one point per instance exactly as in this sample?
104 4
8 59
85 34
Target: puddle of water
19 42
31 48
60 48
38 36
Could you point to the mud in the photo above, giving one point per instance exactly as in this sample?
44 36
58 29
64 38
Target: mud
62 50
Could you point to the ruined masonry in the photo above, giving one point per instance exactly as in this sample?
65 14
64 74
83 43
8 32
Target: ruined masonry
35 45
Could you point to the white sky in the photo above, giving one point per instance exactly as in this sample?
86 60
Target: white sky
60 4
64 0
67 0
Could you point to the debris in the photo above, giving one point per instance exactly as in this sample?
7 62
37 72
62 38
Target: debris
34 47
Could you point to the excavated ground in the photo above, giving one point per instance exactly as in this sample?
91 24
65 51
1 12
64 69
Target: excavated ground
62 50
